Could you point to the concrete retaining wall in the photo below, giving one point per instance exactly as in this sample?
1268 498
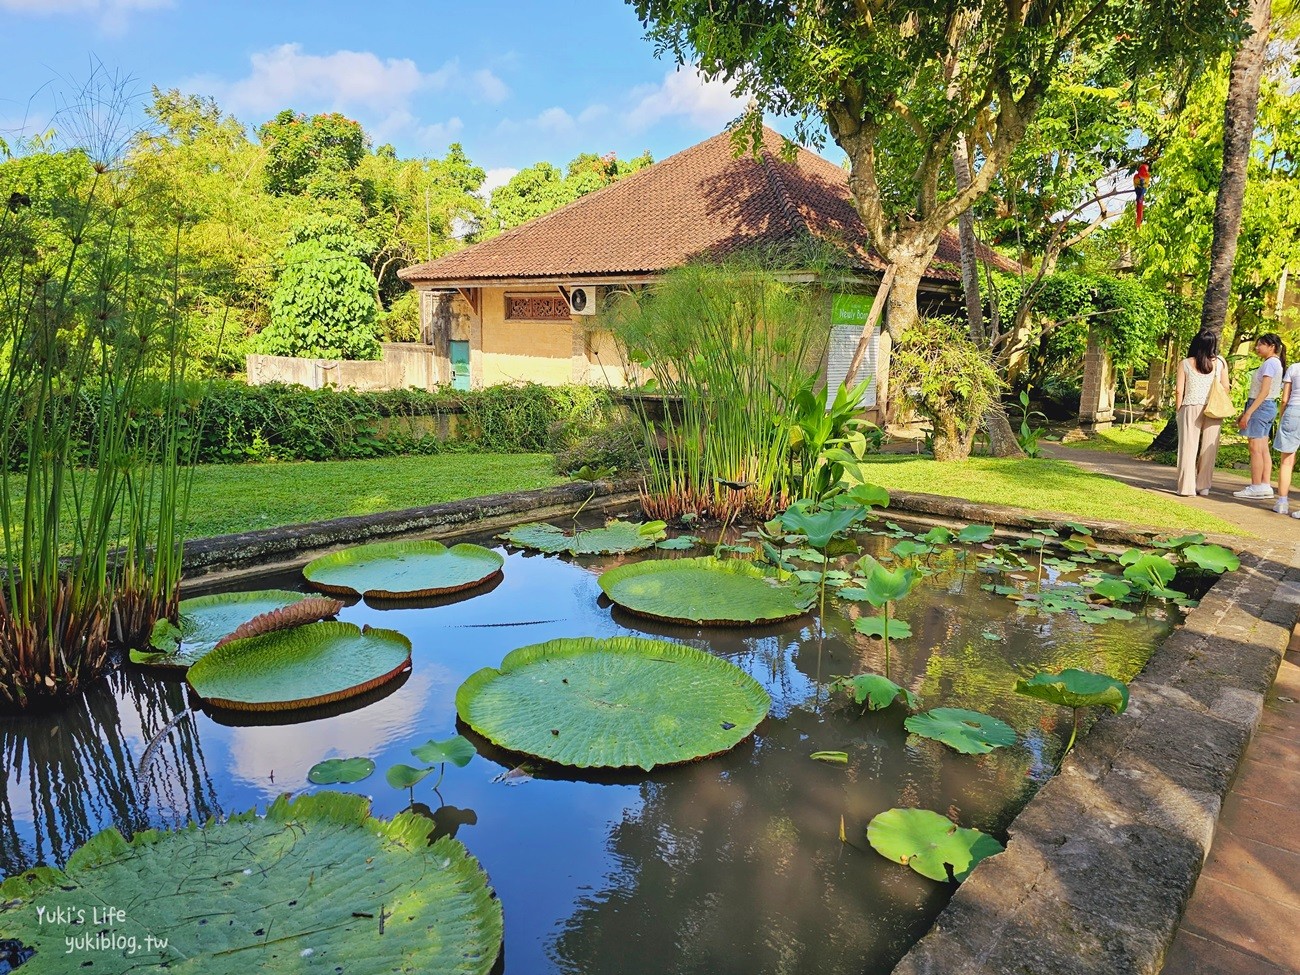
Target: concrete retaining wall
404 364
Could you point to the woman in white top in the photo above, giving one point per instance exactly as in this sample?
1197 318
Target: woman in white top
1261 411
1287 441
1198 434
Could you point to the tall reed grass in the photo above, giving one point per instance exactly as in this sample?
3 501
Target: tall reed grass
89 310
729 345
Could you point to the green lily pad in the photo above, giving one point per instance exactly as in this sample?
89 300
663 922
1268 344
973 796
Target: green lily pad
706 591
1113 589
1104 614
875 691
975 534
204 620
457 749
316 873
403 570
929 843
406 776
299 668
340 770
1151 572
906 548
1213 558
875 626
680 543
620 702
615 538
968 732
1076 689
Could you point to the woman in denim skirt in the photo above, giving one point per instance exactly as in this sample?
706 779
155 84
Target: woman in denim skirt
1261 410
1287 440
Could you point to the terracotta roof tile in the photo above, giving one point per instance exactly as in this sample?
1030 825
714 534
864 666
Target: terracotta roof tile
702 202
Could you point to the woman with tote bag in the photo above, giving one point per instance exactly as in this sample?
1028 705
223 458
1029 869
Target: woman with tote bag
1202 377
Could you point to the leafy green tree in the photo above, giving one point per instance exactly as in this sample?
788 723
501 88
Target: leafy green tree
896 84
323 306
541 188
315 156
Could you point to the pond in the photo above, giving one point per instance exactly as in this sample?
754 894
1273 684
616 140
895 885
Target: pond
730 865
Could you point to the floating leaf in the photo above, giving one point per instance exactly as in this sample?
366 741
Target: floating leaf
1213 558
929 843
1116 590
706 591
300 613
615 538
298 668
316 872
837 758
206 619
875 626
990 635
340 770
406 776
1103 614
1182 541
678 543
457 749
938 535
819 527
402 570
906 548
975 534
968 732
875 691
623 701
1076 689
1151 572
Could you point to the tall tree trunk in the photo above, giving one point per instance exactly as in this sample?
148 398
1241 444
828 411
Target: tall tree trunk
1238 131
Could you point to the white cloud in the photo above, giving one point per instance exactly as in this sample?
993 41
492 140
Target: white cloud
709 105
112 13
496 177
440 133
490 88
553 121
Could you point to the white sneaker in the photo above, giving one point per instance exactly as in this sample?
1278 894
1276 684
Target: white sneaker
1295 514
1204 492
1256 492
1281 507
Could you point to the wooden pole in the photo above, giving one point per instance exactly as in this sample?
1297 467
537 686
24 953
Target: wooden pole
877 306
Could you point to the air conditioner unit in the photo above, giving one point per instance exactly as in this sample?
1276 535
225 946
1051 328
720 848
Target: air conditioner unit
582 300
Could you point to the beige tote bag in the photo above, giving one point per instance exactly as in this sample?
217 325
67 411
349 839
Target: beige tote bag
1218 404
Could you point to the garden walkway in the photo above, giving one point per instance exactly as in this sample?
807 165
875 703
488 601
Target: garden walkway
1244 915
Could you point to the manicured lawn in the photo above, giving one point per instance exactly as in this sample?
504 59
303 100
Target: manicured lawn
1042 485
243 497
1137 437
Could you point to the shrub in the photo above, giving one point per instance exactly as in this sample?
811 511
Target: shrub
323 306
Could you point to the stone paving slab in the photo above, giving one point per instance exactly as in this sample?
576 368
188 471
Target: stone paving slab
1101 864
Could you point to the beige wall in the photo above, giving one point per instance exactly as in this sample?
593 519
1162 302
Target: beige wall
404 364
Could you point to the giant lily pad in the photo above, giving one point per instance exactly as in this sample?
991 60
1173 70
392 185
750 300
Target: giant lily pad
968 732
615 538
929 843
704 590
303 667
403 570
204 620
1076 689
303 887
620 702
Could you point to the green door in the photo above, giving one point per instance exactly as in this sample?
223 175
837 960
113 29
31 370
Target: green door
459 365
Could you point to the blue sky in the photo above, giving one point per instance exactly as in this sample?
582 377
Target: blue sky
514 82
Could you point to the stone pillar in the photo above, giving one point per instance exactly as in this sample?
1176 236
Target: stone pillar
437 333
1156 372
1097 398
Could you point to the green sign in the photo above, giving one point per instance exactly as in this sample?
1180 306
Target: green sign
850 309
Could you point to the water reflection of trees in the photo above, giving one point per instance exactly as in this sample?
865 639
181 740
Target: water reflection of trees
70 773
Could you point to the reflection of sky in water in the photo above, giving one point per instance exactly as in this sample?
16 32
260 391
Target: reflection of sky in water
729 865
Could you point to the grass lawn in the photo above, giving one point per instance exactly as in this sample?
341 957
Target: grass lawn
1042 485
1136 437
243 497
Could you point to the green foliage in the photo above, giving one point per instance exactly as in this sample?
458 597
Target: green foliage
704 591
965 731
541 188
936 370
875 691
931 844
1212 558
614 538
323 307
340 771
1073 688
314 156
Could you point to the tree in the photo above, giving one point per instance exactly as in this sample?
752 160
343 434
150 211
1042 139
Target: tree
323 307
313 156
877 74
541 188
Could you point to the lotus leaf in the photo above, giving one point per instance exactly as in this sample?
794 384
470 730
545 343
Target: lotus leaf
704 590
1103 614
968 732
885 585
406 776
1077 528
990 635
868 495
303 667
929 843
620 702
1213 558
1182 541
1076 689
317 872
346 770
875 691
457 749
615 538
1113 589
906 548
938 535
678 543
974 534
403 570
819 527
1151 572
204 620
875 626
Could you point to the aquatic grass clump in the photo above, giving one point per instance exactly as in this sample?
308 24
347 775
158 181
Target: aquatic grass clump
729 346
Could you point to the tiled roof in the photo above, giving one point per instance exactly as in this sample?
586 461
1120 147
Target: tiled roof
702 202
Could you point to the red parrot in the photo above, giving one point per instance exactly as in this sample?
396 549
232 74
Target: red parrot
1140 180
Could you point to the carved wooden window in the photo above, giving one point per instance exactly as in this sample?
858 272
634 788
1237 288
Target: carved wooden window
537 308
